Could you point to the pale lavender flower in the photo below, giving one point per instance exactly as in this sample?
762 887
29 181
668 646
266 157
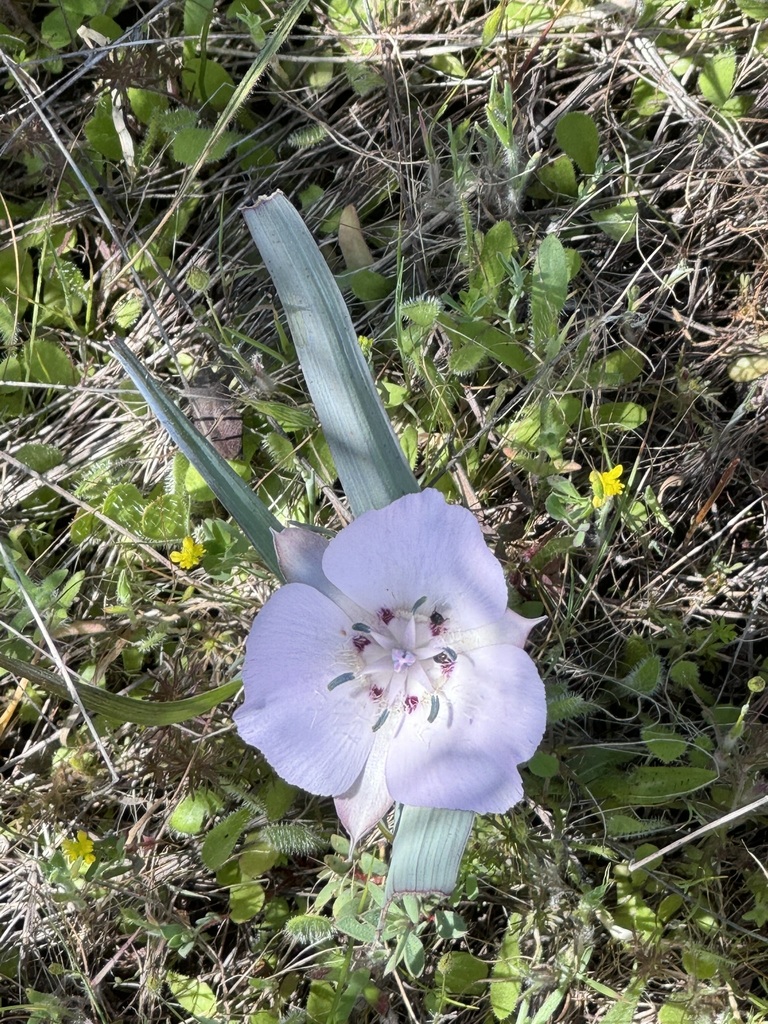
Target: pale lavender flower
389 667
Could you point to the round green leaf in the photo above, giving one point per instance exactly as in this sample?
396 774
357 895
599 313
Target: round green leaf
145 102
11 373
102 135
370 286
617 368
422 312
556 178
576 135
48 363
664 743
618 222
221 840
216 86
125 504
620 416
257 859
166 519
40 457
700 964
84 527
461 973
196 997
544 765
190 813
717 78
189 144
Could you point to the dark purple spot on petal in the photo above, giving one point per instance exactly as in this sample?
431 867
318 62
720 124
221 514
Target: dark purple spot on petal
360 642
386 615
375 692
411 703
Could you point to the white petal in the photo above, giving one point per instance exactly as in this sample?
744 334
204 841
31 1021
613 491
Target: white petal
368 800
419 546
511 628
313 737
491 718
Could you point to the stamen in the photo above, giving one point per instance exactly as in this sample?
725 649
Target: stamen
345 677
418 604
360 627
381 720
434 709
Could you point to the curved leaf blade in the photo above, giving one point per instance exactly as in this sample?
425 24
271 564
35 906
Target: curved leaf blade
427 850
124 709
369 460
251 514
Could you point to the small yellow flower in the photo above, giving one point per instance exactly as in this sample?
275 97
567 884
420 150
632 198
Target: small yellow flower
81 847
190 554
605 485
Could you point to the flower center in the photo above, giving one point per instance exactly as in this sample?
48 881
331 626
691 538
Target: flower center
400 661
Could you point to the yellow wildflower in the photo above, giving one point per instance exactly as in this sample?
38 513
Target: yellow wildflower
605 485
81 847
190 554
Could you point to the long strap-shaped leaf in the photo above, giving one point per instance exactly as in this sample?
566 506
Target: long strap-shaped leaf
427 849
428 842
124 709
252 515
369 460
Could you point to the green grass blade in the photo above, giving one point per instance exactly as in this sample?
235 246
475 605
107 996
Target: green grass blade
124 709
427 850
246 85
251 514
369 460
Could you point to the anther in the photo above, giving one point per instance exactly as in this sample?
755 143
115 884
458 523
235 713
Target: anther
381 720
345 677
434 708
